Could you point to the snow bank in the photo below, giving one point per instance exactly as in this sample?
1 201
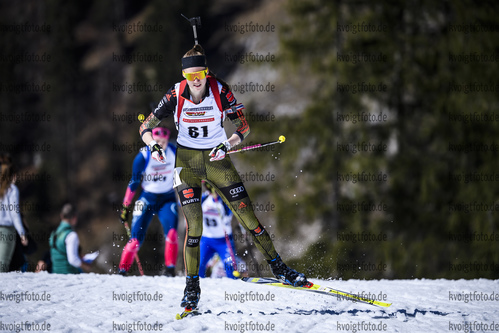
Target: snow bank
45 302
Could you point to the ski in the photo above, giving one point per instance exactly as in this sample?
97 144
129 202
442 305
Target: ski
187 312
317 289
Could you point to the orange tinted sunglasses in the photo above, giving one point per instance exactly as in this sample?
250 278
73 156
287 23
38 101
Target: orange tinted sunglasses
196 75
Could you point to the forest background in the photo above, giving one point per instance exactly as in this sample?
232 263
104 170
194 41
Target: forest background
389 109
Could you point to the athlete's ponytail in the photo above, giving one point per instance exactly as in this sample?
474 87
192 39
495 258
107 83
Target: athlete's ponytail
196 50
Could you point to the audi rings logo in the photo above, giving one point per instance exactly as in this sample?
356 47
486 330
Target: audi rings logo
237 190
192 241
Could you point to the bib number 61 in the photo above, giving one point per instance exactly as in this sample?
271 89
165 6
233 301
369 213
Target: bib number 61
194 131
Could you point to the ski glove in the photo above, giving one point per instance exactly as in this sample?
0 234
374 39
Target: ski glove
157 152
218 153
124 214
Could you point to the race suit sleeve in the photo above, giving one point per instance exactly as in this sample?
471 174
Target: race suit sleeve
165 108
234 112
139 166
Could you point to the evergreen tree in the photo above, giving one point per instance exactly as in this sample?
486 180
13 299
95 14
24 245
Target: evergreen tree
394 64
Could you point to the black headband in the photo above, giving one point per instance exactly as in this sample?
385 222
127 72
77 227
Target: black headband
194 61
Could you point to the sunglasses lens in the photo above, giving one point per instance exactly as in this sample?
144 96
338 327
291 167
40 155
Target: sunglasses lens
196 75
160 132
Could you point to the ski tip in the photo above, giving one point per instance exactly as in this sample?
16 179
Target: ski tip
187 311
182 315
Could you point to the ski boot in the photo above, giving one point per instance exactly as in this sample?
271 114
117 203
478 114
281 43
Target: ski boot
286 274
191 292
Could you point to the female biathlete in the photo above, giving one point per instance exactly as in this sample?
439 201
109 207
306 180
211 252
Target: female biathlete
158 197
199 105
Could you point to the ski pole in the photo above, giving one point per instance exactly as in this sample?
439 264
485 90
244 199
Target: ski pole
127 228
232 256
229 246
249 248
259 145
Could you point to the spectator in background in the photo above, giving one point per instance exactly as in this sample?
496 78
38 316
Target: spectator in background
64 245
10 217
44 264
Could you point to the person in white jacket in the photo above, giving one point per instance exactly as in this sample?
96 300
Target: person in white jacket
10 215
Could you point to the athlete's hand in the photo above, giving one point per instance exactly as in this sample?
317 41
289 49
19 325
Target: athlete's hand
124 214
157 152
218 153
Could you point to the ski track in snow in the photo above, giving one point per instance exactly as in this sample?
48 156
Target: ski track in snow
89 303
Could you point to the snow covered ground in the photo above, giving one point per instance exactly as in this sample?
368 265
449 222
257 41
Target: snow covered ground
31 302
